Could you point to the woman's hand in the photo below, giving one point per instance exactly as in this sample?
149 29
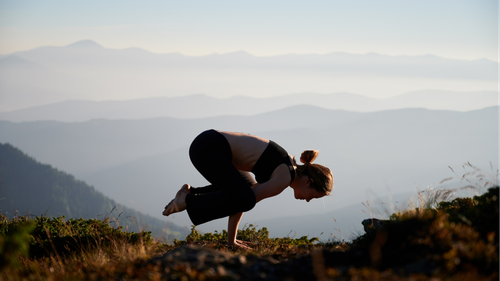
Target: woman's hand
232 230
241 244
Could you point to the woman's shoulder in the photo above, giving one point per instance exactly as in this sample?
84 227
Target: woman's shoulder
283 174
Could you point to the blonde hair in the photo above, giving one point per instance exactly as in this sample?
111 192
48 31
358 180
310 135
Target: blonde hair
321 175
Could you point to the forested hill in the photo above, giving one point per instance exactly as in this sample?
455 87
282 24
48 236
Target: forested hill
28 187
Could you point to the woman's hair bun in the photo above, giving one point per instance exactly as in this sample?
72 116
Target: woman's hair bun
308 156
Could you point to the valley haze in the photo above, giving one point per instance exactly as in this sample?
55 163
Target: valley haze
201 106
86 70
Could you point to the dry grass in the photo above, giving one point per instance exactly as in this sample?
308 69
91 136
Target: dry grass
100 263
471 181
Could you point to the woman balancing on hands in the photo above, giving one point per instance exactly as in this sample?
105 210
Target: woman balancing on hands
226 159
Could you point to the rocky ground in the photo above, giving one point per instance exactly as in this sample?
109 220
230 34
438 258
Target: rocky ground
201 262
193 262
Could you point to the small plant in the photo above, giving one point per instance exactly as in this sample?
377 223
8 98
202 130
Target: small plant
258 237
14 244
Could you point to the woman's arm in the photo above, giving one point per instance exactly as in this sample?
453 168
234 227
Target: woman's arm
261 191
280 180
232 230
268 189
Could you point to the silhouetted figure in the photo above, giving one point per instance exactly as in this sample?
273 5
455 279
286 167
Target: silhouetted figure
226 159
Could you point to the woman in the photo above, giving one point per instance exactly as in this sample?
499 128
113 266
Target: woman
226 159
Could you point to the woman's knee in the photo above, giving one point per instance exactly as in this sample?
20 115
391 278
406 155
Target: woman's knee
247 202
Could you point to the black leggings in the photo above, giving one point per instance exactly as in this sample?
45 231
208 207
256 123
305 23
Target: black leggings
230 191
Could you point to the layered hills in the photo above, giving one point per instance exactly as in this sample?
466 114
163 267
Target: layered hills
202 106
142 163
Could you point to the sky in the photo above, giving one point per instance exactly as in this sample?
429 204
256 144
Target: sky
461 29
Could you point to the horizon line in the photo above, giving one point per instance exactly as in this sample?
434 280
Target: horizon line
249 53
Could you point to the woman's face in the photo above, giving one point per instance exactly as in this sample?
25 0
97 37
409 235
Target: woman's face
303 190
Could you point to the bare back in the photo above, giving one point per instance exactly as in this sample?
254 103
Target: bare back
246 149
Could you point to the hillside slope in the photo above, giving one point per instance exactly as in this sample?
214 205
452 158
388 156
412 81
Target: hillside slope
28 187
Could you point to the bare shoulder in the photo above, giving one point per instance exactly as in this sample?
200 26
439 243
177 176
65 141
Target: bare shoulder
281 176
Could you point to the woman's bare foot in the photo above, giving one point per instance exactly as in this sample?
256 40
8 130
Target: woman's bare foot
178 204
186 188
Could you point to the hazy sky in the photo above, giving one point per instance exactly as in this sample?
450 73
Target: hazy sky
465 29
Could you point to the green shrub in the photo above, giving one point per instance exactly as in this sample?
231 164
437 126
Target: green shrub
480 212
57 236
259 239
14 242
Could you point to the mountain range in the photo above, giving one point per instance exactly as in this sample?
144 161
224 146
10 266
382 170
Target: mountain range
201 106
87 71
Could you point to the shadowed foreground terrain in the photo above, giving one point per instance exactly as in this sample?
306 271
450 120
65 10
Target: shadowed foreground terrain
455 240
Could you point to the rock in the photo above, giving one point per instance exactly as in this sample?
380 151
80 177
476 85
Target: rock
372 225
198 257
214 264
196 260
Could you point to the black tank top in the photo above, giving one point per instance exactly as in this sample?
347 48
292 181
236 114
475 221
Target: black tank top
273 156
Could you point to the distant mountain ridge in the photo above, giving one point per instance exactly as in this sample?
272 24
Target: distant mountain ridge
28 187
85 44
202 106
85 70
